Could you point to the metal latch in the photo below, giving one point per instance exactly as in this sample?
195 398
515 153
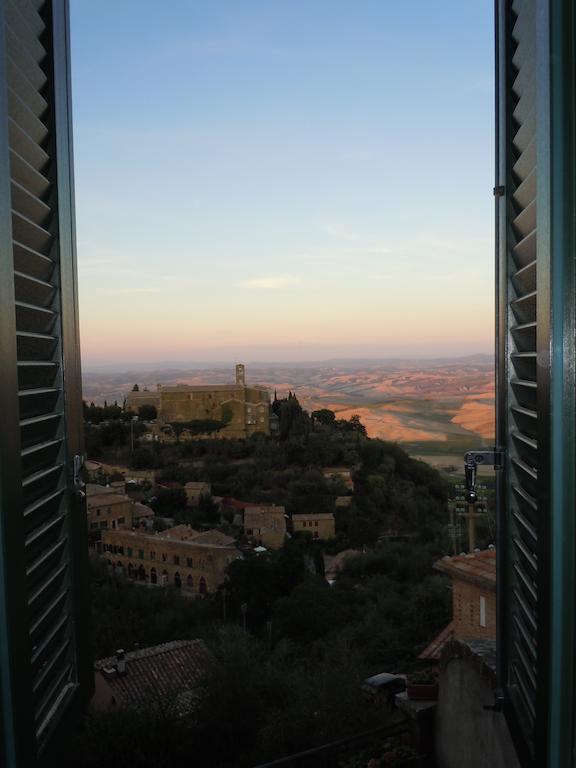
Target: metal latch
78 479
472 459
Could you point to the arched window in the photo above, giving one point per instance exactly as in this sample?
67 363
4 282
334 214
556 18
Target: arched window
202 588
153 576
164 577
177 580
189 582
141 573
131 571
119 568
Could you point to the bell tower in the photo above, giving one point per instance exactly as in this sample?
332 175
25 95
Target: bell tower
241 374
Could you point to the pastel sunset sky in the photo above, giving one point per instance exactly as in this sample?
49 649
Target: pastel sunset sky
283 179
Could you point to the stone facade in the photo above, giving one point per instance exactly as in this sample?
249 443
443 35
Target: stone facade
474 611
473 594
109 511
245 409
266 524
320 525
195 490
180 556
340 473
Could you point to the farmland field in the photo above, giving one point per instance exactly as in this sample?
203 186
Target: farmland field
436 409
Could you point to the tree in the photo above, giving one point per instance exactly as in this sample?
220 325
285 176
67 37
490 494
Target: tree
169 501
147 412
324 416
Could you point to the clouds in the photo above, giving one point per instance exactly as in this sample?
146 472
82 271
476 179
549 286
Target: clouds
271 282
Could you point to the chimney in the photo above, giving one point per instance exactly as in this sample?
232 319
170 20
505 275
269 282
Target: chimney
120 662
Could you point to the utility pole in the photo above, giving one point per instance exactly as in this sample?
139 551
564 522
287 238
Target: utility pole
470 512
132 420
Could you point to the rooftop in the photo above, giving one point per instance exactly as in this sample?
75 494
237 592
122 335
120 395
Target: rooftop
476 567
93 489
167 675
433 651
313 516
141 510
229 501
108 499
175 388
183 534
214 538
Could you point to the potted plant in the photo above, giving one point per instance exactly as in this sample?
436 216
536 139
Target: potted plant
422 684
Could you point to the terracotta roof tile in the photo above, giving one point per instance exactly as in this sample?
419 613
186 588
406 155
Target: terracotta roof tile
476 567
433 651
168 676
106 499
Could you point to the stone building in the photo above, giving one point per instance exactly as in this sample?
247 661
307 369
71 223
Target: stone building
194 491
109 510
168 677
473 601
340 473
266 524
244 409
473 594
320 525
179 556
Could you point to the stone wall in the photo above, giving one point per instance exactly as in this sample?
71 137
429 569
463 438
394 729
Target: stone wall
467 735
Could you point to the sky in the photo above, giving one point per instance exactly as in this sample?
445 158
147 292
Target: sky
283 179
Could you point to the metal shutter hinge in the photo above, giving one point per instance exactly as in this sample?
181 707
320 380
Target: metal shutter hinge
78 479
499 191
472 459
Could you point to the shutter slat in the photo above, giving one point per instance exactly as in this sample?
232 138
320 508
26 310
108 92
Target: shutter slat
25 146
32 264
525 278
524 308
29 233
28 176
525 637
46 586
25 82
525 250
28 205
34 47
38 292
525 222
21 113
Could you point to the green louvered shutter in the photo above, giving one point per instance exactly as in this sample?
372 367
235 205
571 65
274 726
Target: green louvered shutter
44 665
535 247
519 373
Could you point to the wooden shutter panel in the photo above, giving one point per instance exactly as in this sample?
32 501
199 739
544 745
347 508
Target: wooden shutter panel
536 387
44 664
519 369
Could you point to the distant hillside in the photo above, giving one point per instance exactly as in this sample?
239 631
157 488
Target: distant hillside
441 403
